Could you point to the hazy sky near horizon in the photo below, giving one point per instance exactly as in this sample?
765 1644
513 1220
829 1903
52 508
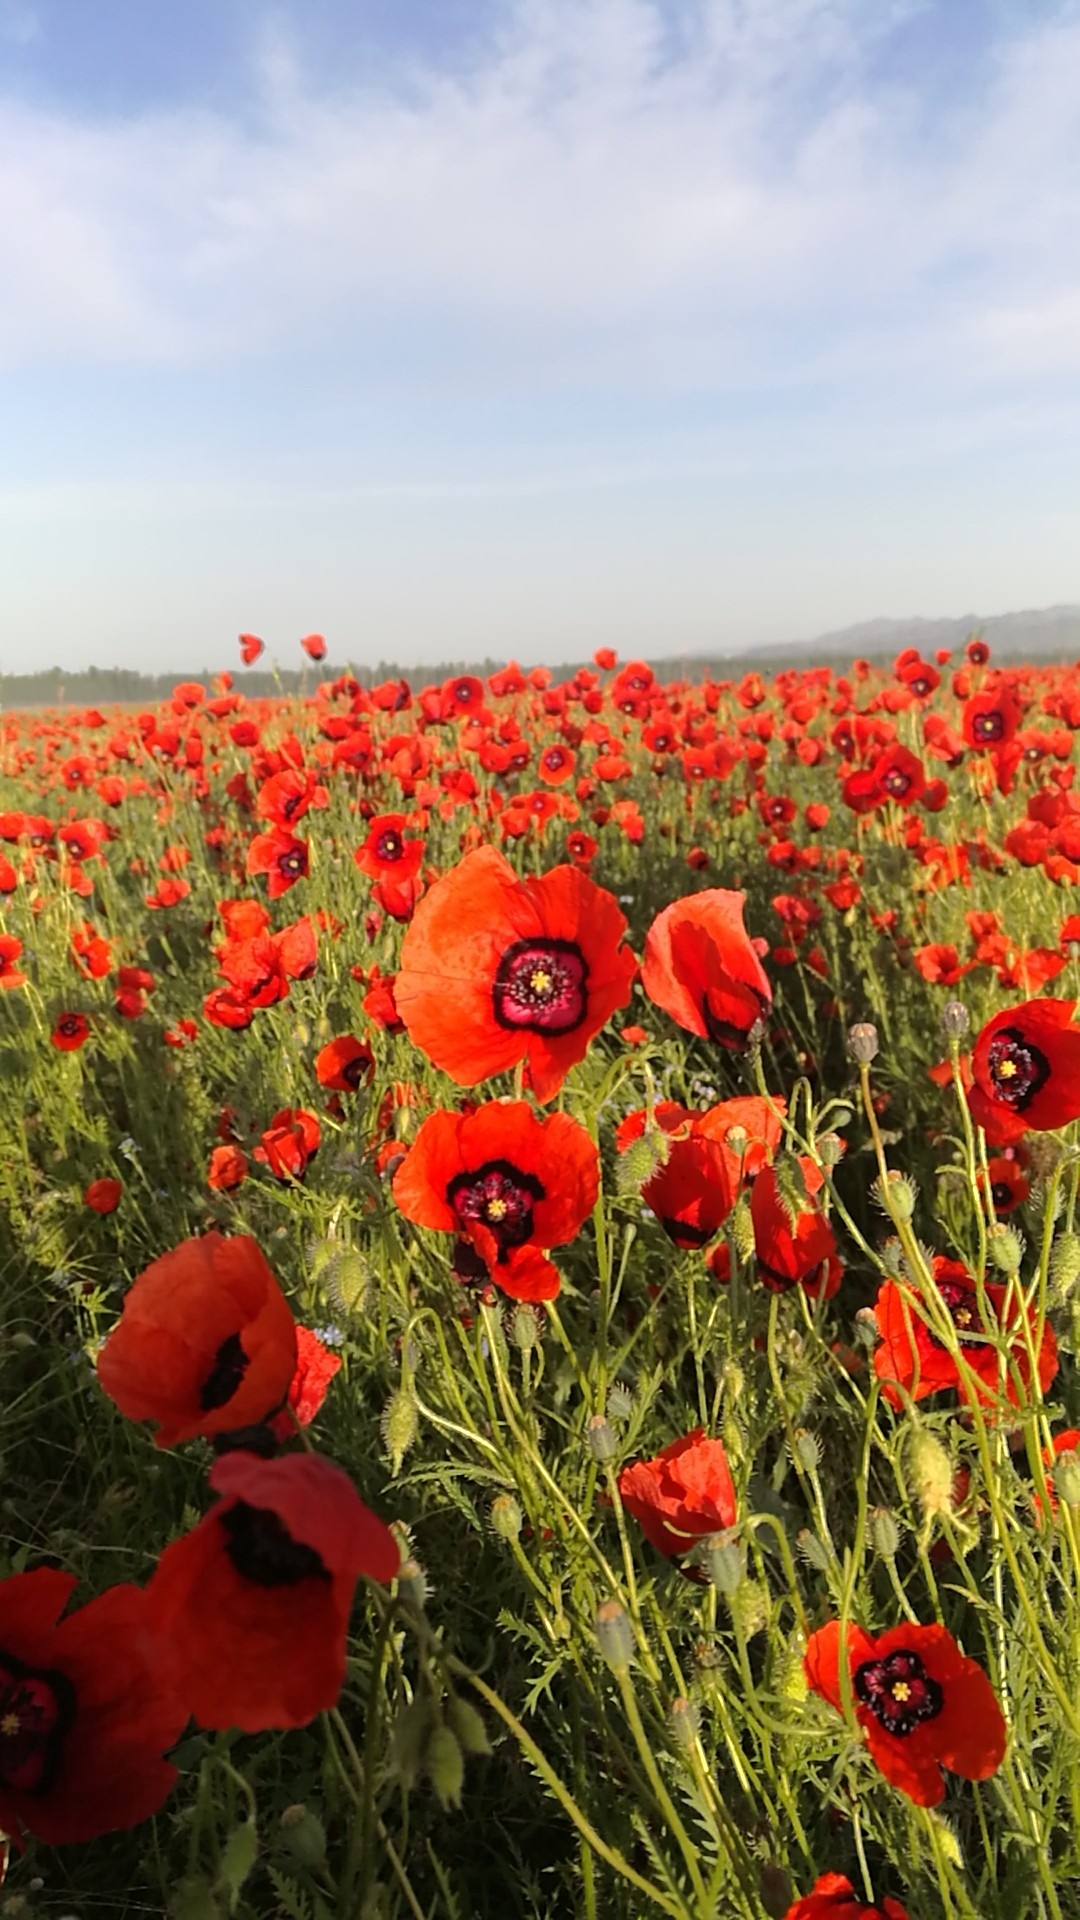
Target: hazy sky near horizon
457 328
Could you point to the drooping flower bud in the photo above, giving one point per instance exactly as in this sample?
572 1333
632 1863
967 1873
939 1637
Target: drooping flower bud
506 1516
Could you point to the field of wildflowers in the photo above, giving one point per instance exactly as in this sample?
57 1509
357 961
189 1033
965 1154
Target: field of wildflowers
539 1299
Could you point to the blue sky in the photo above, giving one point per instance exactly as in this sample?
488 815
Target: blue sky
458 329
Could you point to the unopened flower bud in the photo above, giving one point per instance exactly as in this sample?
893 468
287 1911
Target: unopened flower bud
813 1551
305 1836
742 1227
930 1473
737 1140
615 1635
684 1720
867 1332
1005 1248
468 1724
862 1041
726 1563
643 1158
400 1422
444 1764
830 1148
750 1608
955 1019
789 1675
1067 1478
506 1516
805 1449
413 1585
523 1327
599 1438
620 1403
1065 1263
884 1533
896 1194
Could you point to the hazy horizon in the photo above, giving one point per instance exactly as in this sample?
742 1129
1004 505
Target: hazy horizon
464 330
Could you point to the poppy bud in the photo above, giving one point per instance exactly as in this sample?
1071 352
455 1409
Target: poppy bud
737 1141
444 1764
599 1438
400 1422
408 1739
684 1719
523 1327
615 1635
789 1675
726 1563
346 1280
930 1473
862 1040
742 1228
896 1194
812 1550
1005 1248
750 1608
305 1836
468 1725
506 1516
884 1533
620 1403
776 1891
1065 1263
805 1450
830 1147
643 1158
955 1020
1067 1478
413 1585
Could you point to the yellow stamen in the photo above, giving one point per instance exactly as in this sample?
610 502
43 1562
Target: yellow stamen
901 1690
540 982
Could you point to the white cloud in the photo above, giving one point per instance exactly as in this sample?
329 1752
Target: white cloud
597 201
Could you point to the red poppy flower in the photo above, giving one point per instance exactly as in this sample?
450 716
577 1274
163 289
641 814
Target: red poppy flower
899 774
289 1143
1009 1185
495 970
386 853
314 646
702 968
103 1196
1026 1062
84 1716
833 1897
316 1366
250 648
227 1170
912 1358
250 1611
682 1495
282 857
694 1190
991 719
10 949
920 1702
71 1031
344 1063
792 1251
505 1181
379 1002
206 1341
941 965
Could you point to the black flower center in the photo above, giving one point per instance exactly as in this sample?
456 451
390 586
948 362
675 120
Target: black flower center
389 845
988 726
229 1368
541 985
964 1313
263 1550
70 1025
36 1710
1018 1070
497 1196
897 783
898 1691
291 864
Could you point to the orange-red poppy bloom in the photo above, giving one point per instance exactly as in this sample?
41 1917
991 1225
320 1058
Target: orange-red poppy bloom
85 1716
911 1360
1026 1062
693 1191
797 1251
250 648
11 974
103 1196
495 970
228 1168
71 1032
249 1612
921 1703
510 1184
702 968
681 1496
832 1897
289 1143
344 1064
281 856
386 853
205 1343
314 646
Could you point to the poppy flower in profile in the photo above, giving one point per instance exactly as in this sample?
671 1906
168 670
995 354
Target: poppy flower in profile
682 1495
85 1717
314 646
1026 1063
701 967
249 1612
495 970
103 1196
921 1703
508 1183
228 1169
10 972
289 1143
343 1064
250 648
693 1190
316 1365
72 1030
911 1361
794 1244
832 1897
206 1341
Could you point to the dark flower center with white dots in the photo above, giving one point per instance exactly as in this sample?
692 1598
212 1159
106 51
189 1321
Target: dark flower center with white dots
898 1691
500 1197
1018 1069
36 1710
390 845
963 1311
541 987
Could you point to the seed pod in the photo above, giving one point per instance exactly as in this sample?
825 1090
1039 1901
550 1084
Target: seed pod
444 1764
955 1020
614 1635
400 1423
862 1041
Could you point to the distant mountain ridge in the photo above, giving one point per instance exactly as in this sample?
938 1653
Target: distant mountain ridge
1044 631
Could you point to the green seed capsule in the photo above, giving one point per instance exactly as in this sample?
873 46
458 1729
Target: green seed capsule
614 1635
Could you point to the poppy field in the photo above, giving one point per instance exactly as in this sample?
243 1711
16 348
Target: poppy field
539 1311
